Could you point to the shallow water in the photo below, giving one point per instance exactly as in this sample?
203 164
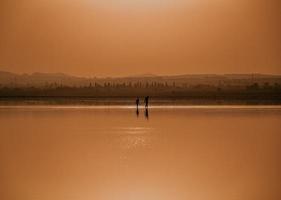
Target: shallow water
111 153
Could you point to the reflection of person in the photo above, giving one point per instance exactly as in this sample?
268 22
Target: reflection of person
137 112
146 114
146 101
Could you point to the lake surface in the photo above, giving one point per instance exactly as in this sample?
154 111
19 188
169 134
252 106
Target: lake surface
168 153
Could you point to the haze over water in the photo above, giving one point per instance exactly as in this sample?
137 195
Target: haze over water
110 153
71 72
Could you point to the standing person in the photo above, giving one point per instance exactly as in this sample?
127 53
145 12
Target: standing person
137 103
146 101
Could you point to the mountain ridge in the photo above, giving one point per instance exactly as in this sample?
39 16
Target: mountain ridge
39 79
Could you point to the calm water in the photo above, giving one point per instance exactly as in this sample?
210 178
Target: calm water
111 153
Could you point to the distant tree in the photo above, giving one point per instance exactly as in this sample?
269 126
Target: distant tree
266 85
254 86
276 86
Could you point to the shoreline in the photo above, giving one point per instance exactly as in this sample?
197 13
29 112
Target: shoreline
130 101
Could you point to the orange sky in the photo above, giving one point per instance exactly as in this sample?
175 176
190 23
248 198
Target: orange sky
125 37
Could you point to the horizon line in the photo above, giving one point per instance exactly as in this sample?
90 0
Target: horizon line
138 75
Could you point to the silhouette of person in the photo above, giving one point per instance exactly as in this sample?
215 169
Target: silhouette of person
146 101
146 114
137 103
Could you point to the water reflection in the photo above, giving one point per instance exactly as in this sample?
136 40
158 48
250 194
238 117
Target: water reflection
134 137
108 154
146 114
137 112
130 142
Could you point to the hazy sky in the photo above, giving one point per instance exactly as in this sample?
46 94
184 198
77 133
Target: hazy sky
123 37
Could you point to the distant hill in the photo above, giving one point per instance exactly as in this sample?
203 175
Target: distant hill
248 88
38 79
8 79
